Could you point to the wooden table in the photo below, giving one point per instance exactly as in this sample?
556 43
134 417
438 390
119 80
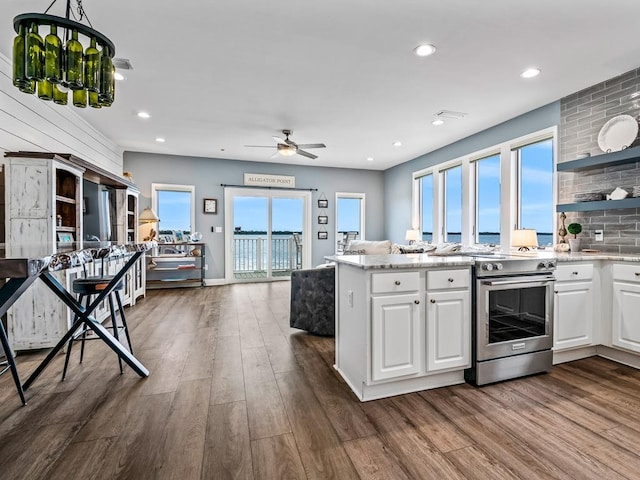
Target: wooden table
21 273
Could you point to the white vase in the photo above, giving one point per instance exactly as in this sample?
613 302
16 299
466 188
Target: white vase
574 244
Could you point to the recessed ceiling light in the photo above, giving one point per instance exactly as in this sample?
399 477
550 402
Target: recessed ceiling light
397 144
437 121
369 159
160 140
424 50
118 76
143 115
530 73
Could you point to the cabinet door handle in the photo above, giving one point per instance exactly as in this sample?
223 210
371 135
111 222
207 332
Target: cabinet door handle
451 280
417 302
433 301
397 282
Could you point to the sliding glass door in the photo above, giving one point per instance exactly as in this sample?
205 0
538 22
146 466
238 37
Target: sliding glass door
267 233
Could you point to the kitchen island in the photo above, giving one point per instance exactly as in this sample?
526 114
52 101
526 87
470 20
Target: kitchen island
403 322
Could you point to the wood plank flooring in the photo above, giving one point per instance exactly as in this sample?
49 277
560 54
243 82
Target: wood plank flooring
234 393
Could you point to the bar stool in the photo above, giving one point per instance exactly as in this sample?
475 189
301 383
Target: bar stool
86 288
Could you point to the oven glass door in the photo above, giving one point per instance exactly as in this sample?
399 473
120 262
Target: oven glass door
514 315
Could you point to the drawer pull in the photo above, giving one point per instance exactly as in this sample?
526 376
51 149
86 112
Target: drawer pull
417 302
433 301
397 282
450 280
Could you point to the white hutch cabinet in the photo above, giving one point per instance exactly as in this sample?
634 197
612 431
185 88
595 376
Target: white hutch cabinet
43 214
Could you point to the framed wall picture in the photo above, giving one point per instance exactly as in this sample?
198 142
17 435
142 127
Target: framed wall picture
65 237
210 205
323 220
323 235
323 203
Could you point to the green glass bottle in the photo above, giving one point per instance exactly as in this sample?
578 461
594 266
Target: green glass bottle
75 62
94 101
107 80
80 98
53 56
19 76
92 67
29 87
60 94
35 55
45 90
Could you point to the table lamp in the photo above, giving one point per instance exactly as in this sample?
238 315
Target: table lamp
524 238
148 216
412 236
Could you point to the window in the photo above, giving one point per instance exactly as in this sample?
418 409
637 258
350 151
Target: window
534 163
483 196
452 204
175 206
426 207
487 218
349 218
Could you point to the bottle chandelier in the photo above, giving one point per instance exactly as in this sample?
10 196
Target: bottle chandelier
51 68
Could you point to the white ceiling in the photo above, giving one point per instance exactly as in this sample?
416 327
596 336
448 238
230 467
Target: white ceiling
218 75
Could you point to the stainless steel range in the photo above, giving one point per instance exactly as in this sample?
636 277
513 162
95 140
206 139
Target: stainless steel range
512 319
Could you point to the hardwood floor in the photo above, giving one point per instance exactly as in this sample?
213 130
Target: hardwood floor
234 393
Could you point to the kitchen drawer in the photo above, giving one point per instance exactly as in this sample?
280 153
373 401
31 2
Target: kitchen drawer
628 272
570 272
395 282
448 279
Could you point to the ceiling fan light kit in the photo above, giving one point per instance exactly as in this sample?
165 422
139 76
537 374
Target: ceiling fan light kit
287 147
52 67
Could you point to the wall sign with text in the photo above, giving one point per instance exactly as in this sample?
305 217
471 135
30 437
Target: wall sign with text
265 180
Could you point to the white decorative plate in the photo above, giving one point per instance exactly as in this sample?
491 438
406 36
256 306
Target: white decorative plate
618 133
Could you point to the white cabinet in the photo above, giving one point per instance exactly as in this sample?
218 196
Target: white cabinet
395 336
573 307
448 332
625 328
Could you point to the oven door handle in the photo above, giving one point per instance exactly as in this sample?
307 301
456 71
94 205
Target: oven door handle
492 283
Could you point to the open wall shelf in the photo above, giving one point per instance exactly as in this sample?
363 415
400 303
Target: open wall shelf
600 205
628 155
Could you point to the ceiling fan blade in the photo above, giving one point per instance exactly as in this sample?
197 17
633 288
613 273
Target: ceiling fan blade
306 154
261 146
312 145
275 155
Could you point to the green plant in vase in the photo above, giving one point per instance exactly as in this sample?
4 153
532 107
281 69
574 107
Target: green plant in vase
574 229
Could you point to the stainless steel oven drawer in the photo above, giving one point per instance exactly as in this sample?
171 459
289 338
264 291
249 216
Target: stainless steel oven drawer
492 371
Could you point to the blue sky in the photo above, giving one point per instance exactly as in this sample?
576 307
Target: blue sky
536 193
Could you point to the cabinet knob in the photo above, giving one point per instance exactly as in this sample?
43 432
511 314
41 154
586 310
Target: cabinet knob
397 282
433 301
575 273
637 274
555 291
450 280
417 302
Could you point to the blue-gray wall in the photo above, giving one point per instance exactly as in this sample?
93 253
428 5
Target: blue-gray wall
398 180
208 173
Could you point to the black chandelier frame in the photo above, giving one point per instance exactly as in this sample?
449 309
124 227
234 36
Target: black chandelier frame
44 19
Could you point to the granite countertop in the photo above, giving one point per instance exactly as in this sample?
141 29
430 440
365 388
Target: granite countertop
424 260
399 261
586 257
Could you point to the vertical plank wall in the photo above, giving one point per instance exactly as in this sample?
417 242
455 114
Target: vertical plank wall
28 123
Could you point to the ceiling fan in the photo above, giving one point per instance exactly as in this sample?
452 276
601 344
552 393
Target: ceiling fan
288 147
